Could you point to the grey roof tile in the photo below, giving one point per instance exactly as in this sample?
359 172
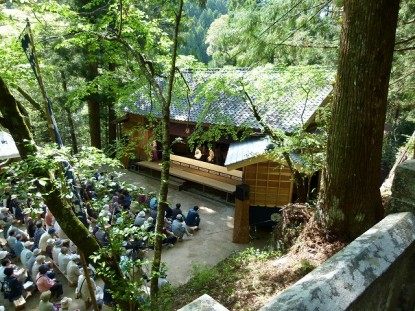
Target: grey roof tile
285 113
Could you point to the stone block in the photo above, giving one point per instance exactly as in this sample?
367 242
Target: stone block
204 303
403 188
360 276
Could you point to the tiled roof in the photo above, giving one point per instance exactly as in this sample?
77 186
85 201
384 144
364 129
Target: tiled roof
286 112
242 150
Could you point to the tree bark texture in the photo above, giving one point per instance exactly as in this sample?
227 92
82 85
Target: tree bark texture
94 116
352 198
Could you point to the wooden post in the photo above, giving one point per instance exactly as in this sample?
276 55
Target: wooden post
88 282
241 222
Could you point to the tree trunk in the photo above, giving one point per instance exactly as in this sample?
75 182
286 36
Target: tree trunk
165 170
94 116
74 141
352 202
69 116
112 124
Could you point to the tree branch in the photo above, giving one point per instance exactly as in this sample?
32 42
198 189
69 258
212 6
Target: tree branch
410 48
31 100
405 40
307 46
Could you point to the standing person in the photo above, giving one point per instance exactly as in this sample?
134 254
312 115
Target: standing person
179 229
44 283
12 287
193 218
176 211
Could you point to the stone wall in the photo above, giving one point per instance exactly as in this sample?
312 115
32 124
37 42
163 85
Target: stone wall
374 272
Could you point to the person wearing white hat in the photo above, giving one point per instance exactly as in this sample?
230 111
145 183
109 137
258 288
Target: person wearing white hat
26 253
140 219
65 303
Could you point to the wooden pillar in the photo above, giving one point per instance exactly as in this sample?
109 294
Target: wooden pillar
241 222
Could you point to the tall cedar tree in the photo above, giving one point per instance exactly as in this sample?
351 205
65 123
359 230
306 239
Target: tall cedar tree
352 198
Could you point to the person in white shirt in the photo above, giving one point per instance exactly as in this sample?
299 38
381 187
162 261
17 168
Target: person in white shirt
26 253
43 242
82 290
63 259
40 260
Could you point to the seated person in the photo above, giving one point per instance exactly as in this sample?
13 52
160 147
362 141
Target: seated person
11 241
178 228
82 290
168 212
140 219
18 246
38 233
30 227
176 211
40 261
56 250
43 241
44 303
12 287
31 262
26 253
45 283
63 259
72 269
170 239
5 263
193 218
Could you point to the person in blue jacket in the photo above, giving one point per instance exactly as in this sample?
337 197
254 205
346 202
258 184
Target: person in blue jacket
193 219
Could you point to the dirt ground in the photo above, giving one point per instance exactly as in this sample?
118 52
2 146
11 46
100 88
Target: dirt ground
208 246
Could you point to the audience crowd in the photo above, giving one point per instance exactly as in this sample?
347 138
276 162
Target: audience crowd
34 248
